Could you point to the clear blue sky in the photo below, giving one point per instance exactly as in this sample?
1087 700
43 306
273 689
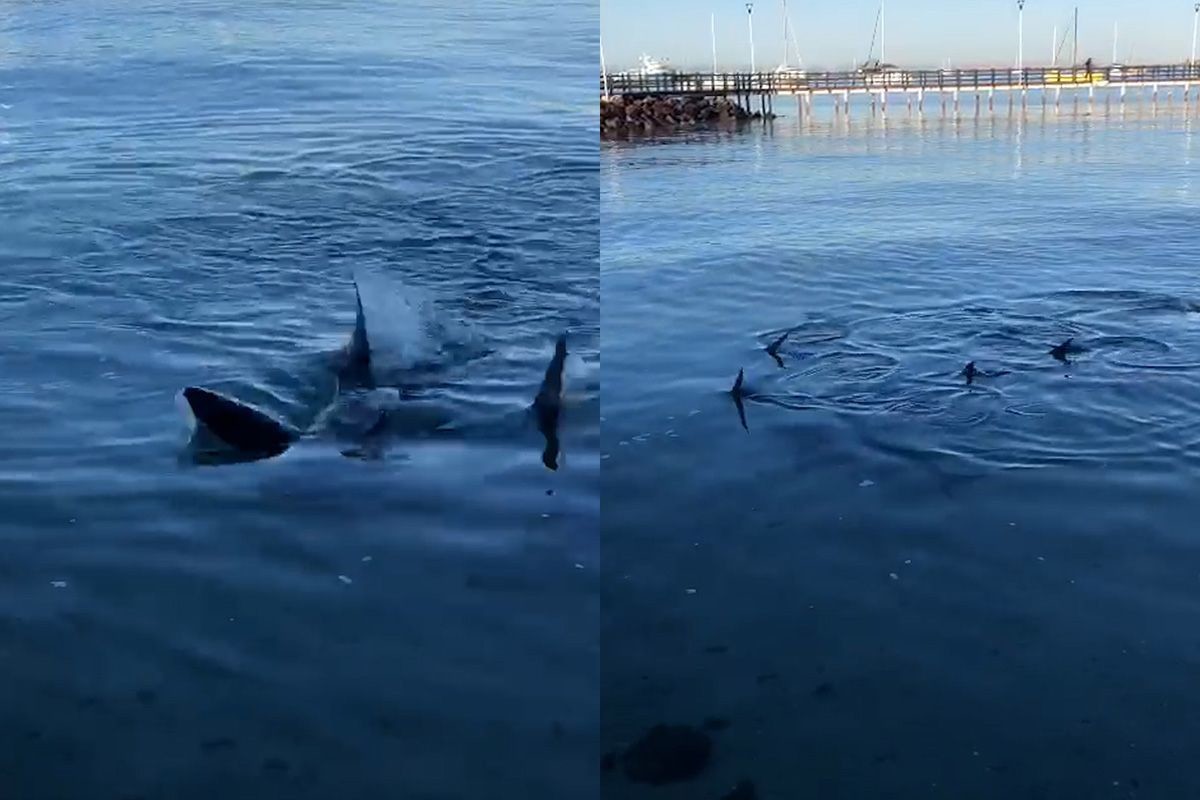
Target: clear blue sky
833 33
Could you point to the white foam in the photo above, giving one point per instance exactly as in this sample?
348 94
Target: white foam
403 324
383 398
185 408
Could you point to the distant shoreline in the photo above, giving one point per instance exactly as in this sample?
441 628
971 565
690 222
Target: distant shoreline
625 115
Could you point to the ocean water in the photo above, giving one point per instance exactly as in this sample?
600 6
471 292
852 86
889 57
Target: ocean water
891 583
187 193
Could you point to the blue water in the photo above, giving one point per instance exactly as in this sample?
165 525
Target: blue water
186 193
895 584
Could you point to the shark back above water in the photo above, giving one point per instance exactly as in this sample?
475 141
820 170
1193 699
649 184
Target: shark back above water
1067 348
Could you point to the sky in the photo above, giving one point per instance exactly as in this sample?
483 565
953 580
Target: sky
832 34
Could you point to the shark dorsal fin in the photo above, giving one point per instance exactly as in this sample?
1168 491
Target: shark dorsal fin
360 348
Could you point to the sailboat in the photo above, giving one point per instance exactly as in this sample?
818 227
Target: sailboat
878 72
786 69
1114 69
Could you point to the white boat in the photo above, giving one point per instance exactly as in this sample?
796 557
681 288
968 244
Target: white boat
882 74
653 66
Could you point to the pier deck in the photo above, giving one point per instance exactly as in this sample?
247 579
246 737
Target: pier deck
766 84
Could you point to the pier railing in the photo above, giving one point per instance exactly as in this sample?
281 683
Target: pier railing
794 83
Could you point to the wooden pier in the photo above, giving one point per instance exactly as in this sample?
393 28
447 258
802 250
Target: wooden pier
763 86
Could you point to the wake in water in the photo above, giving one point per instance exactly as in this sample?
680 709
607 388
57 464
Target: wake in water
374 391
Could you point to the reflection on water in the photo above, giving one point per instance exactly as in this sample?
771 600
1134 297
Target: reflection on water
892 582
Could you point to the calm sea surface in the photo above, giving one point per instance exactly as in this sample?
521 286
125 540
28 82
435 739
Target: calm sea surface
895 584
186 192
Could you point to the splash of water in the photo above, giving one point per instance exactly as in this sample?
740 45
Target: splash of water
405 326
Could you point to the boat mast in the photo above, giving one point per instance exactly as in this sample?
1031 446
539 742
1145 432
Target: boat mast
1075 42
796 46
603 68
882 60
712 22
785 32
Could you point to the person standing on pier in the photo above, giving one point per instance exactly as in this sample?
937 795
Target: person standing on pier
1088 66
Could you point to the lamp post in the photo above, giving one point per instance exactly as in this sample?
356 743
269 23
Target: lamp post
1195 26
1020 34
750 22
1075 41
